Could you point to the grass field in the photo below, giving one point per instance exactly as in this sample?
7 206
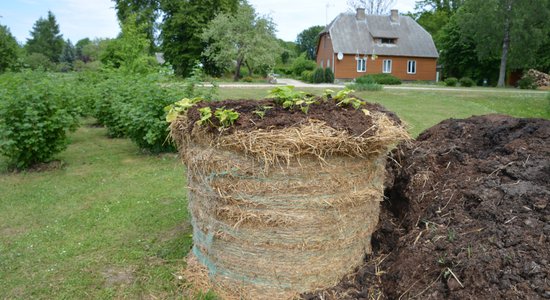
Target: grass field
112 223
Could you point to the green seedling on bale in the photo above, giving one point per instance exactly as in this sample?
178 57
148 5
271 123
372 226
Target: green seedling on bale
226 116
182 106
342 98
206 114
261 112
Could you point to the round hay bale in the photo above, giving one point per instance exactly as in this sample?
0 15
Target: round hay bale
279 210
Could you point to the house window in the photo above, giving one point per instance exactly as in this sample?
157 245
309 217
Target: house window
387 41
386 66
361 65
322 64
328 63
411 67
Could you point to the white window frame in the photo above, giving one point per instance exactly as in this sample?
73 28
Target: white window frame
411 67
361 65
322 64
386 68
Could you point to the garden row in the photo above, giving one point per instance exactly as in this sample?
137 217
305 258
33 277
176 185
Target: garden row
38 109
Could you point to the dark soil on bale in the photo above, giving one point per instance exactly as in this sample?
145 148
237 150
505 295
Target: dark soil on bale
276 117
467 216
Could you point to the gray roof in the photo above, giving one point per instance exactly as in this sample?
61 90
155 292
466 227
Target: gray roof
350 35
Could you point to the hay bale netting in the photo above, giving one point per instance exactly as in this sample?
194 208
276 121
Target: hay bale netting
283 202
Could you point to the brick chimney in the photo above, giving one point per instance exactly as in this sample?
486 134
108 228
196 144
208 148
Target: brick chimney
360 16
394 16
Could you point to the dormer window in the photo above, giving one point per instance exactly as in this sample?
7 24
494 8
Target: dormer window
387 41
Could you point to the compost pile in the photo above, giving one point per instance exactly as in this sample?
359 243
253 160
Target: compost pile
467 216
283 195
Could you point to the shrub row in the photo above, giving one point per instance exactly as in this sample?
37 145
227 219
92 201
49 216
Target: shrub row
380 79
319 75
365 83
37 110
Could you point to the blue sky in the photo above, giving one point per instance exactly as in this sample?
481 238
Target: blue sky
97 18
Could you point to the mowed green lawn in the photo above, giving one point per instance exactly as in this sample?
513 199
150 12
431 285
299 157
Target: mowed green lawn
112 223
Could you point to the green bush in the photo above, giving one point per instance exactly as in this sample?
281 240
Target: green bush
319 75
380 79
527 82
329 76
307 76
248 79
451 81
301 64
365 83
36 112
133 106
467 82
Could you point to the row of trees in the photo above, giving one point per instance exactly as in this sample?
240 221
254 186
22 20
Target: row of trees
485 39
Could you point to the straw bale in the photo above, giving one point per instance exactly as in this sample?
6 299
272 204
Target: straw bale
279 212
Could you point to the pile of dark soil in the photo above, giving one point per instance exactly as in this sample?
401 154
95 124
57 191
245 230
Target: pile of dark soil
467 216
276 117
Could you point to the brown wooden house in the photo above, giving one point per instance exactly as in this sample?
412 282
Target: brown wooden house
355 44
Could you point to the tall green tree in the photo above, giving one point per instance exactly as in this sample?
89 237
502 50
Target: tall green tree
68 55
130 51
46 38
9 49
459 58
307 40
144 12
512 29
79 49
182 27
242 38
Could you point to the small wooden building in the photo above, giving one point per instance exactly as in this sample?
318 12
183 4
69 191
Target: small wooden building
355 44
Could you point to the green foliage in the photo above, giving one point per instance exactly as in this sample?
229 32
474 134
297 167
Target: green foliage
527 82
365 83
38 61
241 38
262 110
329 75
288 98
130 52
181 29
46 39
467 82
319 75
301 64
206 114
307 40
226 117
307 76
68 55
36 112
9 49
378 78
181 107
285 93
451 81
511 30
143 14
344 98
138 107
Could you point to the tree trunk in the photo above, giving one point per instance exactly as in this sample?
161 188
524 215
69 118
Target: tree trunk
238 69
250 69
505 46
